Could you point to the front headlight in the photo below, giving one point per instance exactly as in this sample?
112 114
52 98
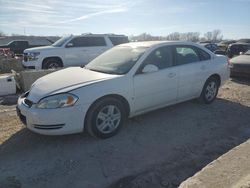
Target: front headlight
32 56
57 101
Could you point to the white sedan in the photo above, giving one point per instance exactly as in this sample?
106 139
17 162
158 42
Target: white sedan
125 81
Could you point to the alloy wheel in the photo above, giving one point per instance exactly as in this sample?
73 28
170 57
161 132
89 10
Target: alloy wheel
108 119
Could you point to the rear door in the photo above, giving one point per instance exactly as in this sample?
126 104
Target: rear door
194 68
81 50
159 88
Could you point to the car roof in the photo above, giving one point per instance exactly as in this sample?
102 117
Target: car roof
154 43
107 34
240 43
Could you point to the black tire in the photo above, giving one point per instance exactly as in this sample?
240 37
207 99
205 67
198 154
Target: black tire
208 95
110 126
52 63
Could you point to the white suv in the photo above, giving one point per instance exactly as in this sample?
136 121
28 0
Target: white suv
71 51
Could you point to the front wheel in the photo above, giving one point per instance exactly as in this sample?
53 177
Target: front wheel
210 91
52 63
105 118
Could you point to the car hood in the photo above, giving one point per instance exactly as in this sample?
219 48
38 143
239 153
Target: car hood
64 81
241 59
39 49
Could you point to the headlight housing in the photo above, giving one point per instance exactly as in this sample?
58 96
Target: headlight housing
32 56
57 101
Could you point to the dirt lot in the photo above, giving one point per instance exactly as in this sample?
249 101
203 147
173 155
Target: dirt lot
158 149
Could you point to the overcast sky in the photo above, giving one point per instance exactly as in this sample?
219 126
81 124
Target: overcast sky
157 17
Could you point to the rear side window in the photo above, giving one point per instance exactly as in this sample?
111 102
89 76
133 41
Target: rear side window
186 55
118 40
88 41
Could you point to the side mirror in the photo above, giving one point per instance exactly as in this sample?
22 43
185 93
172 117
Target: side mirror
70 44
150 68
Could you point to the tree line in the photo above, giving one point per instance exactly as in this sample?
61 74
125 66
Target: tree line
213 36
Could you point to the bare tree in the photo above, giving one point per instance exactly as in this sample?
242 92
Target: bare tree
217 36
190 36
214 35
208 35
173 36
16 35
2 34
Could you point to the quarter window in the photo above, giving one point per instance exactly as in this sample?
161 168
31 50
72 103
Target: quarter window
88 41
118 40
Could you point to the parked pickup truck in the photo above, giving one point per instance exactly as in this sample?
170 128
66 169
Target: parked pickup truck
71 51
18 46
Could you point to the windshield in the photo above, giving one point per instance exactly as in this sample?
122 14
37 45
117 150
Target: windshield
61 41
118 60
247 52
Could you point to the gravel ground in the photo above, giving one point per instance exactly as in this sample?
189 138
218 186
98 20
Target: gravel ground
155 150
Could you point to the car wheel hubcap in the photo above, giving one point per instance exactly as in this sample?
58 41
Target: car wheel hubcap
211 91
108 119
53 65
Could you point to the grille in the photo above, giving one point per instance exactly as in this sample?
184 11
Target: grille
49 127
25 57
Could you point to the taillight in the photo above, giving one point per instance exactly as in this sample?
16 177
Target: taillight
229 63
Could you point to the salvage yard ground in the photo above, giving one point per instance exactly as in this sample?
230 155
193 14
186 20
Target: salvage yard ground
158 149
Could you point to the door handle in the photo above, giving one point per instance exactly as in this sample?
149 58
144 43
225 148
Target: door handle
171 75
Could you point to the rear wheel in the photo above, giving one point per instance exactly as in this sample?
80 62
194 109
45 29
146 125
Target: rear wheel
105 118
210 91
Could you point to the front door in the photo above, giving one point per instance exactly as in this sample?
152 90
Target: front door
158 88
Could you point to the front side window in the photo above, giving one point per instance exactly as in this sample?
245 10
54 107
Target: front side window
186 55
61 41
88 42
161 58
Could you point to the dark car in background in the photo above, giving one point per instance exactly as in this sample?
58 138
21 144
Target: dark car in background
18 46
244 41
236 49
224 44
240 65
211 46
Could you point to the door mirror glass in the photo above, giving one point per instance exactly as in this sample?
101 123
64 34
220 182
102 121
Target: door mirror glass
150 68
70 44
